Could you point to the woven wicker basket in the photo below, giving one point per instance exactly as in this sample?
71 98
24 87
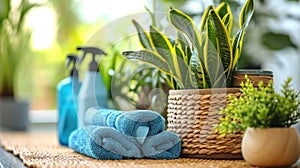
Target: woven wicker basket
193 115
254 75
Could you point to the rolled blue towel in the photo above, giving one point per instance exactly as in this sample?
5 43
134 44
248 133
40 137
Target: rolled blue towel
103 143
111 118
138 123
165 145
99 116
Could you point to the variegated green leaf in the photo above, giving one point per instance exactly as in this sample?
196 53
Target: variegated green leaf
213 61
149 57
143 36
164 47
246 13
224 12
224 46
180 53
223 9
237 47
204 19
188 54
151 15
188 80
181 39
199 73
227 20
185 24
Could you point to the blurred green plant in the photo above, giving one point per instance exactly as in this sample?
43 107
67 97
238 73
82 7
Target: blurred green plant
265 38
14 43
260 107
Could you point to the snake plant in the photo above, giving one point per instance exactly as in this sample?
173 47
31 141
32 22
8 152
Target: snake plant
199 58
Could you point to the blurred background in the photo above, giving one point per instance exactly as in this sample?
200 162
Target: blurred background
272 40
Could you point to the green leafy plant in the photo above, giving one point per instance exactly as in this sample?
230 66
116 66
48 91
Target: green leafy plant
14 42
260 107
205 59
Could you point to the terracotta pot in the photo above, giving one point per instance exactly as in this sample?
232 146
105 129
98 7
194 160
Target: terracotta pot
271 147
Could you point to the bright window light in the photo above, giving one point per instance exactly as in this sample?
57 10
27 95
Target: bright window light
42 21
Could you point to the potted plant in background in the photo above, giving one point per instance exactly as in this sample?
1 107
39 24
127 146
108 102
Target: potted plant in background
14 44
266 117
201 65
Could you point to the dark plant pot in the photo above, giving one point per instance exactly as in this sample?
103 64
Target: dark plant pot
14 114
255 75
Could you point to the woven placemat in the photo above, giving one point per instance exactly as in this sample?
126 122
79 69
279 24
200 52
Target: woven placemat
43 150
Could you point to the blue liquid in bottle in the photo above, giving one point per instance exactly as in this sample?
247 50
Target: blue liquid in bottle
67 104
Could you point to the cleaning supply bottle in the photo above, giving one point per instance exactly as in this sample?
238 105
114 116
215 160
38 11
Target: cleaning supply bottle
93 92
67 98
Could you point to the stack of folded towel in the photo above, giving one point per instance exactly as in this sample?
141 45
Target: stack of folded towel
111 134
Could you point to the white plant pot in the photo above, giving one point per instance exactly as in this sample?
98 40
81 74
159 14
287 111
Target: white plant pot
271 147
14 115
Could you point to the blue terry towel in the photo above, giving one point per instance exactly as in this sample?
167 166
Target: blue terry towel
103 143
99 116
165 145
138 123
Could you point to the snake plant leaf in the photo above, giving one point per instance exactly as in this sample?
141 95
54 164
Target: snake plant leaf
223 41
237 47
245 17
185 24
143 36
188 53
188 80
213 61
204 19
181 39
200 74
185 46
163 46
227 20
149 57
246 13
225 14
151 15
180 54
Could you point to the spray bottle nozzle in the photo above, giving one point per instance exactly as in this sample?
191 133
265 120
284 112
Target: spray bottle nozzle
93 66
72 58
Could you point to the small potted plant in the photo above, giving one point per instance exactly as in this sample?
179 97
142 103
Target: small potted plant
199 66
14 43
266 117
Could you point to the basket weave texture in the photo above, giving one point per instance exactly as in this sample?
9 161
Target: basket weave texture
255 79
193 115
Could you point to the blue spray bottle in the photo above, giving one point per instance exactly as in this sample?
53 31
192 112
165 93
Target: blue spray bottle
93 91
67 99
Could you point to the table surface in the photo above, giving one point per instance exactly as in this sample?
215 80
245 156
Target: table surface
41 149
